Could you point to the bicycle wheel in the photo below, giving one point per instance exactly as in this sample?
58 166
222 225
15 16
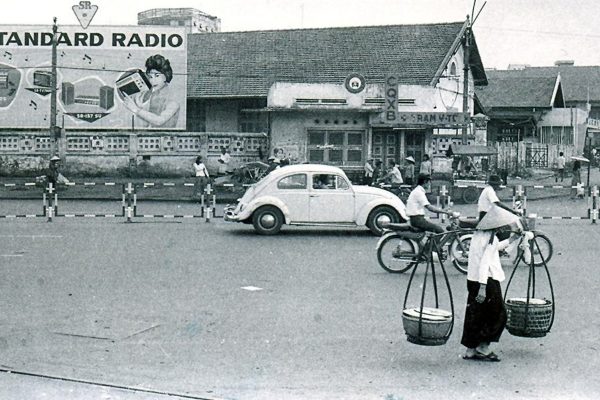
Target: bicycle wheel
470 195
543 250
396 254
459 251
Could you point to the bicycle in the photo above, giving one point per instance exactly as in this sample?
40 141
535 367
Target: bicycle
402 246
542 251
400 190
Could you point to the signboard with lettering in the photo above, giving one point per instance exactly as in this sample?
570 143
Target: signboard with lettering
421 119
391 99
593 124
102 79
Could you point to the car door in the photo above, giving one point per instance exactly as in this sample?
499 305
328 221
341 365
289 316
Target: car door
331 199
292 190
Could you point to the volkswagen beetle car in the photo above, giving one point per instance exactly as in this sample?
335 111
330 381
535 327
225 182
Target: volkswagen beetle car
312 194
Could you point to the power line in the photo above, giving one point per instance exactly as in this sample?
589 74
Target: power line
555 33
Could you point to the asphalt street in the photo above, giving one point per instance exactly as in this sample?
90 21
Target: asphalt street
167 308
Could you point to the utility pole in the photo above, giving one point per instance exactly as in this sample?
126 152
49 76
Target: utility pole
53 128
466 54
466 68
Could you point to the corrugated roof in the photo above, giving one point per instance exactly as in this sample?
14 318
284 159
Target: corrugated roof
575 80
516 91
247 63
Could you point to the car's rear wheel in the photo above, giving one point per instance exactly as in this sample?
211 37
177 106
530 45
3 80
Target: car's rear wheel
381 216
267 220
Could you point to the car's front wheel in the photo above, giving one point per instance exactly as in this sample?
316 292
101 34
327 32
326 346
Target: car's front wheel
380 217
267 220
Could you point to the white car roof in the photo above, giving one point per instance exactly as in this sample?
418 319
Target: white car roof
306 168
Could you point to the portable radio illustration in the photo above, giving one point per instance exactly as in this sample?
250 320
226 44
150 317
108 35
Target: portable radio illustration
10 78
42 78
132 82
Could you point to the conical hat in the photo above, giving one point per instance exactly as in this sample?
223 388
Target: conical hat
497 217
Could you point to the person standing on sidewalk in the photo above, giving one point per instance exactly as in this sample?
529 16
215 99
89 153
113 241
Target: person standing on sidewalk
53 173
560 167
224 160
409 171
202 177
426 166
368 172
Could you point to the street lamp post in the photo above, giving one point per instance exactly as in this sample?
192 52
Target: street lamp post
53 82
466 53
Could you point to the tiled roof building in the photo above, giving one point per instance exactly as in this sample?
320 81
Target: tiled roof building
248 63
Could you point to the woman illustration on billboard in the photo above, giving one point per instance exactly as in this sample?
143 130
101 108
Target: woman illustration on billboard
156 107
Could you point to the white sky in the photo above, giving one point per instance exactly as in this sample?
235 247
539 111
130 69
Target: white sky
535 32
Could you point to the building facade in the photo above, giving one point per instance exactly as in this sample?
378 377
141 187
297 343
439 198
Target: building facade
334 95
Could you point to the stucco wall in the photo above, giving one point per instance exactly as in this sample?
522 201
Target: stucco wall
221 116
288 129
109 153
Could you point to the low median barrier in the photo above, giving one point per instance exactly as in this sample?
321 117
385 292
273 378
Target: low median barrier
203 205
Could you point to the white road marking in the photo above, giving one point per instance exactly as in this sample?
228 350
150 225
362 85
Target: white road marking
251 288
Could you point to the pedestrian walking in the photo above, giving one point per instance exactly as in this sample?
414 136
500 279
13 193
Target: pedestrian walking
560 167
485 315
409 171
202 177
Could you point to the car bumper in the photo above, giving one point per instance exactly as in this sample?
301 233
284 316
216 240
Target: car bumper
229 214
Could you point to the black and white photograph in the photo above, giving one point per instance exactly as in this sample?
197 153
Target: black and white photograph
299 199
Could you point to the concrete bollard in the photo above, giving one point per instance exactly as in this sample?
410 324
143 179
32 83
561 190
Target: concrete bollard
442 200
207 210
130 191
50 206
594 210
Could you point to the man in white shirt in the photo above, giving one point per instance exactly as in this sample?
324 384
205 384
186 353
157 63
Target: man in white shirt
417 203
224 160
369 169
488 199
394 176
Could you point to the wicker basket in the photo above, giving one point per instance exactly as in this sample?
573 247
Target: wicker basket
529 321
436 325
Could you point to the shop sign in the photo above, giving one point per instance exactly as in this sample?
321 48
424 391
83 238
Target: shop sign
593 124
355 83
85 11
390 114
422 119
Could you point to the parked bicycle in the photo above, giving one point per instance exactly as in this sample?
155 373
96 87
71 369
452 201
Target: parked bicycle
402 245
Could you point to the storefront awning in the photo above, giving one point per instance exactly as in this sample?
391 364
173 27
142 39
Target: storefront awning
470 150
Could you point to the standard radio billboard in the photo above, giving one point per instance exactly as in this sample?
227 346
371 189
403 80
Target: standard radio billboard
102 77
